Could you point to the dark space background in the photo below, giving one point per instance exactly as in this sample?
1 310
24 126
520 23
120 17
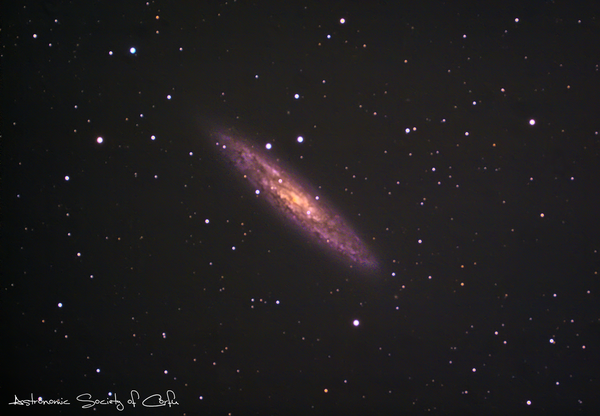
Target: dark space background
118 267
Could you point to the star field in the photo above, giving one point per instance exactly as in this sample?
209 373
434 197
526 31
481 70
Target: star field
460 140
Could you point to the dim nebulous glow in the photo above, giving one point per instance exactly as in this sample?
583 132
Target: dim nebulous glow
293 201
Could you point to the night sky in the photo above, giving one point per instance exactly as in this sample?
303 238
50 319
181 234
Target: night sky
459 140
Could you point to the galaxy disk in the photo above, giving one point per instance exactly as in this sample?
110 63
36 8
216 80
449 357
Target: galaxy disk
293 201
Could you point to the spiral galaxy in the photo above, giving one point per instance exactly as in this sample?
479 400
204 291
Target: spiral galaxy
293 200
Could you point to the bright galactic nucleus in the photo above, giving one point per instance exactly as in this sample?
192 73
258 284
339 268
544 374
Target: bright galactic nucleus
293 200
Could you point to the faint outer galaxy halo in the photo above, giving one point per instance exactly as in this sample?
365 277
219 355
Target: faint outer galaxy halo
293 200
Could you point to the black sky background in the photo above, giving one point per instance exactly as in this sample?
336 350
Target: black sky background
486 301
